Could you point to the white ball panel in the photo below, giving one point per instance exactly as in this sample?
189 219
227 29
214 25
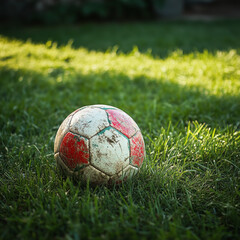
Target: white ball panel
89 121
109 151
103 106
63 129
62 165
130 171
93 175
125 174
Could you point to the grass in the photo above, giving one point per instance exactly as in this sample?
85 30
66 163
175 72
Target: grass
178 80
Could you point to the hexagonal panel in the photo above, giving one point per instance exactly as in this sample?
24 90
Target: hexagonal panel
74 151
63 129
137 150
89 121
109 151
122 122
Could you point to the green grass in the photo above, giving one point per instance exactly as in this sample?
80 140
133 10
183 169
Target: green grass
180 81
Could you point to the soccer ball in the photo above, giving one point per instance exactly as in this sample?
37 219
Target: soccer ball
100 144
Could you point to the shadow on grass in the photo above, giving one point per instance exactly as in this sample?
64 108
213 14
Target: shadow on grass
158 38
28 97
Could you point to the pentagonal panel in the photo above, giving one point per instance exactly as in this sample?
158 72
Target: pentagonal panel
89 121
137 150
109 151
74 151
63 129
122 122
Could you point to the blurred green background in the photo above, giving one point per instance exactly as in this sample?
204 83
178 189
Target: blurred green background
73 11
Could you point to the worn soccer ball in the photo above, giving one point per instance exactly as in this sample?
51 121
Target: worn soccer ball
100 144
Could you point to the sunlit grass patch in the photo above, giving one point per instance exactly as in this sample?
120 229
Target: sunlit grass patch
216 73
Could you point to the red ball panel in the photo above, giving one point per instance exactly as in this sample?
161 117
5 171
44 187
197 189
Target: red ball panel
74 151
122 122
137 150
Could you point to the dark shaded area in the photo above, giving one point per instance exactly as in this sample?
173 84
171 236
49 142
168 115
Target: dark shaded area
75 11
212 9
72 11
156 38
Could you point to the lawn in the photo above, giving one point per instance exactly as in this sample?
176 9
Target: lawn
180 81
